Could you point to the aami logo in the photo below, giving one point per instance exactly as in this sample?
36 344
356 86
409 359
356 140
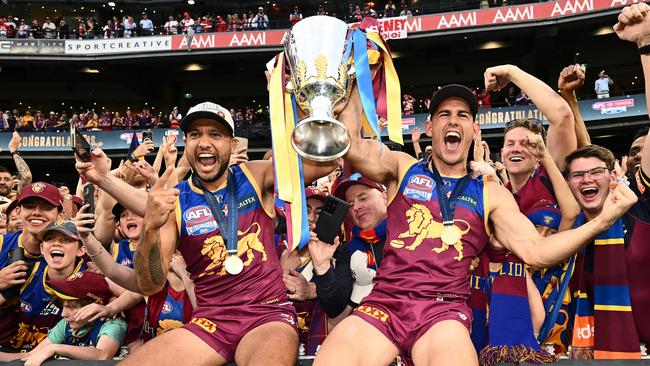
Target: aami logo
197 215
421 182
167 308
25 307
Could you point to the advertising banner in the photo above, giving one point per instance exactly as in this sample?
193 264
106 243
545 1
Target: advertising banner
117 45
32 46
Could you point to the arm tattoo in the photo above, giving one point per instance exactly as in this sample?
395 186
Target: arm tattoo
148 266
156 270
23 169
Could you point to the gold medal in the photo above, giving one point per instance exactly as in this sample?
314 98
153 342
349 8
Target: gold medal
450 235
233 264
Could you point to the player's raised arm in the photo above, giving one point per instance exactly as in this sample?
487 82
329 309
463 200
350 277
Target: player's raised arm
368 156
517 234
160 234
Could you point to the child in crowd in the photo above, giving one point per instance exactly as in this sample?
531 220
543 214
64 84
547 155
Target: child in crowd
82 340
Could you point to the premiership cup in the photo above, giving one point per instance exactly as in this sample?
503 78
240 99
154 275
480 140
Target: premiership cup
321 83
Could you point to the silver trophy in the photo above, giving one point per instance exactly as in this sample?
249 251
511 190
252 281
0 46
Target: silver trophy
321 83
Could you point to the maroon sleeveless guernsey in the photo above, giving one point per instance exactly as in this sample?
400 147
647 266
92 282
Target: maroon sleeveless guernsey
416 264
203 247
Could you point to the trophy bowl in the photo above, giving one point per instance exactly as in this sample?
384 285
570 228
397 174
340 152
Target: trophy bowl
321 78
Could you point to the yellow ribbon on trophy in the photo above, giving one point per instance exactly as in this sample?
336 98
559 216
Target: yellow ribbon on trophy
287 163
392 85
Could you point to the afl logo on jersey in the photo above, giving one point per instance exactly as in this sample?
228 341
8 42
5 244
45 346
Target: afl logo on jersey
25 307
199 220
167 308
419 187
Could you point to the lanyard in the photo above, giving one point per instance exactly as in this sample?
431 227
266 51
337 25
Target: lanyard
228 223
448 205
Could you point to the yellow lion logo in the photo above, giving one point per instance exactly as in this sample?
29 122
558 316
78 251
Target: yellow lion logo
423 226
215 249
167 325
28 336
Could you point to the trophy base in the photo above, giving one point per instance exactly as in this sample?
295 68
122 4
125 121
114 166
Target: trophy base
320 139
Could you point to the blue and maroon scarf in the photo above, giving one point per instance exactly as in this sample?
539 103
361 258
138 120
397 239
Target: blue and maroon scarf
604 326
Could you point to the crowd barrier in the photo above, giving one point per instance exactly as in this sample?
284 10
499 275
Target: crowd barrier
309 361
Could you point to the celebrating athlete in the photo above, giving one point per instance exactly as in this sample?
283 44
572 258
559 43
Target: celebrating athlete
439 218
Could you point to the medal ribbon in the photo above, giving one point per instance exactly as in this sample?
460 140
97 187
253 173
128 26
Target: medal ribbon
448 206
230 222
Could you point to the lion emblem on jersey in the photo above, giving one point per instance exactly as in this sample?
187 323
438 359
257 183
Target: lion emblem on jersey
167 325
423 226
248 243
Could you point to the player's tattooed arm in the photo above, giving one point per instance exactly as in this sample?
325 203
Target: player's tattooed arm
148 263
153 254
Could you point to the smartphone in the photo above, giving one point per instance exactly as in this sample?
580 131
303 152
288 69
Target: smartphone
15 255
89 197
80 145
330 219
147 135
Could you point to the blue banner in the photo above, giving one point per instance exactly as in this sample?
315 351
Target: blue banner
106 140
592 110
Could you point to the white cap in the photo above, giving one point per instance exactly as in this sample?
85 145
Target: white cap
209 110
363 276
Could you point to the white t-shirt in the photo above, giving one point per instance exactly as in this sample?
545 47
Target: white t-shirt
171 26
602 85
187 23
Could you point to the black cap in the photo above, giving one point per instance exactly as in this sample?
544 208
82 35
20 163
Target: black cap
454 90
117 211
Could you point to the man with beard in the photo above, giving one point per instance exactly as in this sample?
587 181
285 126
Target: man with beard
242 310
417 307
590 173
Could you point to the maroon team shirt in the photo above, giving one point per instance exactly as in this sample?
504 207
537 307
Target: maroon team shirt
203 248
416 264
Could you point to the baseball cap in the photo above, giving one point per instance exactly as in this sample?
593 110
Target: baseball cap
117 211
454 90
356 178
86 285
77 201
211 111
311 192
66 228
12 206
41 190
548 216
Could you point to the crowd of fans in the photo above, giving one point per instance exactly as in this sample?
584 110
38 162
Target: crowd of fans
92 120
532 254
486 100
187 23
